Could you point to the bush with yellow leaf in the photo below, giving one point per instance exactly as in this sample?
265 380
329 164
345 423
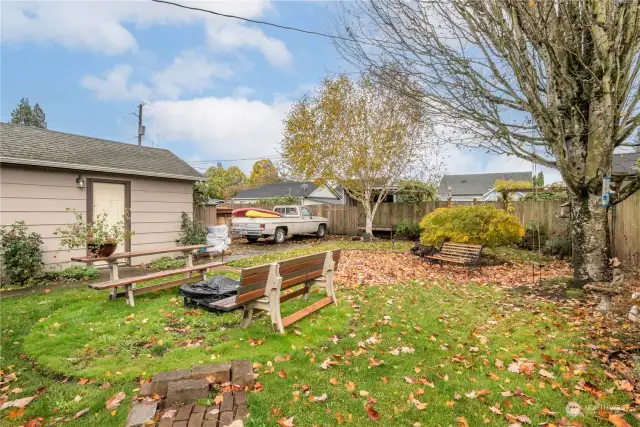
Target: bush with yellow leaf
482 224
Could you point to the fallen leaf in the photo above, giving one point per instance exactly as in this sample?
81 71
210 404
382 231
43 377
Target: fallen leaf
115 400
462 422
36 422
80 413
618 420
351 386
282 374
286 422
18 403
372 413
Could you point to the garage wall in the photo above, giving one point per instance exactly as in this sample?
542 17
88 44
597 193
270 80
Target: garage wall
40 197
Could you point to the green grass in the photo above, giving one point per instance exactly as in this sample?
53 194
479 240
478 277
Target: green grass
456 332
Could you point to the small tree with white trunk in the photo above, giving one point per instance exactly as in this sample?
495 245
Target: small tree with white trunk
362 136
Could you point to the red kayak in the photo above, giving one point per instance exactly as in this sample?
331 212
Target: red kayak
255 213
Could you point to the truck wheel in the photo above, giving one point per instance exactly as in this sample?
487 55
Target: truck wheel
279 236
322 230
252 239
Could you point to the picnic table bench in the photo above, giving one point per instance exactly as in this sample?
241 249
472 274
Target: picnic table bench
458 253
261 287
129 284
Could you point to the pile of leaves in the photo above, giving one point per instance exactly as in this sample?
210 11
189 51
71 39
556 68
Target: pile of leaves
377 268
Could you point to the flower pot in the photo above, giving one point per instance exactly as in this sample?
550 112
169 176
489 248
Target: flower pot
107 249
103 250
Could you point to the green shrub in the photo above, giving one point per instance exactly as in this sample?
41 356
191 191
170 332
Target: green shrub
72 274
408 229
166 263
482 224
559 246
535 235
21 254
192 232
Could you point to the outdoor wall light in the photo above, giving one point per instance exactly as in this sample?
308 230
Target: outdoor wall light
80 182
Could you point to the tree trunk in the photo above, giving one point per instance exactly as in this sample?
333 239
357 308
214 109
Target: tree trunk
590 238
368 226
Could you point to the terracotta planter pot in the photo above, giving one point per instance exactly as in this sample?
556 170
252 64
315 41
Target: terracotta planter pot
102 250
107 249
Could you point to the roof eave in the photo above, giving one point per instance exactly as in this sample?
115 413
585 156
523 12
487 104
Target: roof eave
75 166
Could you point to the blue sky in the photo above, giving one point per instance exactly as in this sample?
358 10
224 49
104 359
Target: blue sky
216 88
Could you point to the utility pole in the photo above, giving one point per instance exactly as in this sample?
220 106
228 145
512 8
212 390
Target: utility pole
140 127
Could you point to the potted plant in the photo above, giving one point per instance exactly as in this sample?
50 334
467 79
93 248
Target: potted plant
100 238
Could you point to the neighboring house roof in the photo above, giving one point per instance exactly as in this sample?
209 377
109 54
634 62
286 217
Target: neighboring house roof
477 184
624 163
280 189
28 145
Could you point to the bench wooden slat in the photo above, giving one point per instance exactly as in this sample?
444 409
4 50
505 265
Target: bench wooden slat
161 286
226 304
302 259
249 296
152 276
301 266
292 294
458 253
306 311
118 255
301 279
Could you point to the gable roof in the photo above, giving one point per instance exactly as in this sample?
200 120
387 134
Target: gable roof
476 184
28 145
281 189
624 163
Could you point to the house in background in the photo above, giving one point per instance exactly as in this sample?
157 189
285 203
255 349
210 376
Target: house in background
43 173
481 186
309 193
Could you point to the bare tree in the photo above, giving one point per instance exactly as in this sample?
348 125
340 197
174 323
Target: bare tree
555 82
364 137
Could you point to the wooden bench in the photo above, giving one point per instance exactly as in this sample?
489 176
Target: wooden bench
130 283
261 287
458 253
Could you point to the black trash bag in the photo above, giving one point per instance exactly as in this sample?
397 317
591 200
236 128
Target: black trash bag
215 288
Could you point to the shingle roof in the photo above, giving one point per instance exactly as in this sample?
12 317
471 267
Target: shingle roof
41 147
476 184
624 163
280 189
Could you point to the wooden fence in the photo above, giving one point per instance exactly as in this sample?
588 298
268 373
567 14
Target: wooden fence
625 228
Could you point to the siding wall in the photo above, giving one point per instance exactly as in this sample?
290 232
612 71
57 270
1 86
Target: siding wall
41 196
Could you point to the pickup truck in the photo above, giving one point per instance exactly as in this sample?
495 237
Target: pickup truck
294 220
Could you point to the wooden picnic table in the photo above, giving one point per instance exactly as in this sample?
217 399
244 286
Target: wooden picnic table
130 284
112 260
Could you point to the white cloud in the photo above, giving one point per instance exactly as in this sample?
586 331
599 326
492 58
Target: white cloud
190 72
115 85
101 26
221 128
232 36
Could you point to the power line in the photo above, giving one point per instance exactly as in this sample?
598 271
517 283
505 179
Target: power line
282 27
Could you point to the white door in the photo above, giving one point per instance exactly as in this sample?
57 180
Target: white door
109 198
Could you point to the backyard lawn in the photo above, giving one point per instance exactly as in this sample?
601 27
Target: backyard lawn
410 351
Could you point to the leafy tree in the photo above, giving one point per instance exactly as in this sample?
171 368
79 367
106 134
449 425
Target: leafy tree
552 82
506 186
417 192
263 172
360 136
24 115
539 180
224 183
